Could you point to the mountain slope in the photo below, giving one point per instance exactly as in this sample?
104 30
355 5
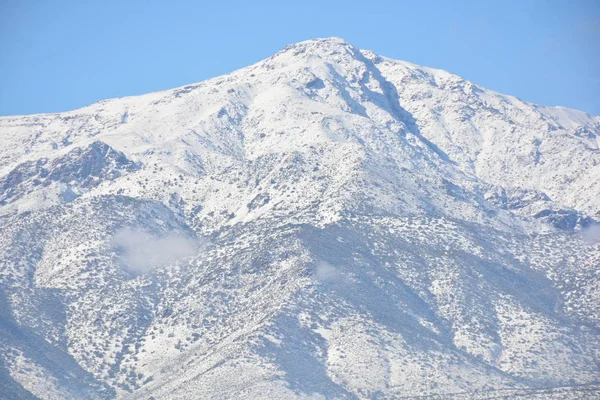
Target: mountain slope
326 222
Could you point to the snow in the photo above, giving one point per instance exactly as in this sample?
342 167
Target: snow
366 227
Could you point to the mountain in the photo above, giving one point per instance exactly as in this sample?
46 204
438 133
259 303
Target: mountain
326 223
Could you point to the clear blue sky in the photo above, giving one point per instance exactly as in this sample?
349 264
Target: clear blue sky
57 55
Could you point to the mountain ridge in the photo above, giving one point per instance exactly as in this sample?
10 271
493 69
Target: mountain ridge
324 223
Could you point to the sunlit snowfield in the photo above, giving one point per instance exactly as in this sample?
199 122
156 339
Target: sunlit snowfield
326 223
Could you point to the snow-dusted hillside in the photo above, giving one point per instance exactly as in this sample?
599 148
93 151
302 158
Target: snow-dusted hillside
327 223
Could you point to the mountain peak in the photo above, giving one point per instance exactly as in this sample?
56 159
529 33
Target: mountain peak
321 42
377 229
323 47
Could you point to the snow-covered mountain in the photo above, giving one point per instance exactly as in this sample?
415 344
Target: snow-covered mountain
326 223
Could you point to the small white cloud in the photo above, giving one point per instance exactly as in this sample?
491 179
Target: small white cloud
591 234
325 272
142 252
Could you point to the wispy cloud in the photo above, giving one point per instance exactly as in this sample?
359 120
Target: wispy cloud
142 252
591 234
325 272
328 274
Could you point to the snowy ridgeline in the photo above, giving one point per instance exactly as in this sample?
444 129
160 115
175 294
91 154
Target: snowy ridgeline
327 223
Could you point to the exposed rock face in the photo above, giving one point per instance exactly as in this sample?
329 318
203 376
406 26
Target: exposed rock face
79 170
